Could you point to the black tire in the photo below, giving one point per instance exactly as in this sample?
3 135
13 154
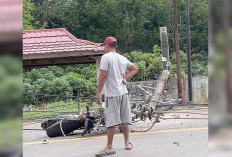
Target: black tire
68 126
45 125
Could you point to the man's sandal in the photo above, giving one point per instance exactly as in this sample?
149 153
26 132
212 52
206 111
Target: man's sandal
129 147
104 153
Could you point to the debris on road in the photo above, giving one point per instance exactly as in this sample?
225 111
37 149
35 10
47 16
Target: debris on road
177 143
45 141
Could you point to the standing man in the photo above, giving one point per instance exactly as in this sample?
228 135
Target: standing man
113 75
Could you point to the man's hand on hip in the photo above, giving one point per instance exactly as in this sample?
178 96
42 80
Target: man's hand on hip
124 80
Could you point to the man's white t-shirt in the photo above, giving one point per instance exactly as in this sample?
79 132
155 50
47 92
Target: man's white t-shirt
116 65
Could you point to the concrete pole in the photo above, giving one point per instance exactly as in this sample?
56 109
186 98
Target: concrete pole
98 61
155 97
165 48
159 87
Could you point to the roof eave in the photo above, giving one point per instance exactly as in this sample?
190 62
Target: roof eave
61 54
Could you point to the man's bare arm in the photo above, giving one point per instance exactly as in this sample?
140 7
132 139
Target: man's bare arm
132 71
101 80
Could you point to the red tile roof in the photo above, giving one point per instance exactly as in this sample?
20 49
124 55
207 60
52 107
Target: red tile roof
50 41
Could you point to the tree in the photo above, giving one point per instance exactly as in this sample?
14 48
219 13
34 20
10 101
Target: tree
29 22
134 23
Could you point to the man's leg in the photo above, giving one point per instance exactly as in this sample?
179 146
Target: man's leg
125 131
110 136
125 118
108 150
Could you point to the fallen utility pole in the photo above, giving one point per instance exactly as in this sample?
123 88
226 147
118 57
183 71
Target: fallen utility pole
159 88
153 100
177 50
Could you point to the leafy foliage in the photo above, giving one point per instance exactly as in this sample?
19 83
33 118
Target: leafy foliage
29 22
55 80
135 23
149 64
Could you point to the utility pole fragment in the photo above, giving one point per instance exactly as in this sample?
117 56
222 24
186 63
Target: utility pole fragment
165 48
177 49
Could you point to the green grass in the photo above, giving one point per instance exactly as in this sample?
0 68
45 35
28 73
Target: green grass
56 109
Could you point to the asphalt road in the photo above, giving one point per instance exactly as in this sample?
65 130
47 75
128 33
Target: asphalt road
169 138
